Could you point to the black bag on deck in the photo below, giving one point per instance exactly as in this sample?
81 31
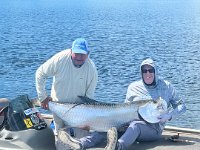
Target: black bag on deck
21 115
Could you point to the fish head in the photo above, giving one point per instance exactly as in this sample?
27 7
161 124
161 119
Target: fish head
152 110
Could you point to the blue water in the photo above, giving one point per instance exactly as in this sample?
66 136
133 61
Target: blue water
120 33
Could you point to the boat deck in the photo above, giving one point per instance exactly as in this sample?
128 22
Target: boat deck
188 140
44 140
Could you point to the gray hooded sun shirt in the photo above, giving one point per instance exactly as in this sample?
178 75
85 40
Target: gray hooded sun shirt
138 90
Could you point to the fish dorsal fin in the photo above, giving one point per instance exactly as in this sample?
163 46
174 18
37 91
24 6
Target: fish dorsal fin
86 100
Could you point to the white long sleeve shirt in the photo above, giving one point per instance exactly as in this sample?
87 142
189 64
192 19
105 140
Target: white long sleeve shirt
69 82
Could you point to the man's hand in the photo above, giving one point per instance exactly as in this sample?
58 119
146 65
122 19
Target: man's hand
44 103
165 117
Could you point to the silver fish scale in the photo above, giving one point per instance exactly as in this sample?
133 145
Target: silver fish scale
99 117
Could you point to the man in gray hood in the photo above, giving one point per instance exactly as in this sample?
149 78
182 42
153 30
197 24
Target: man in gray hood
150 87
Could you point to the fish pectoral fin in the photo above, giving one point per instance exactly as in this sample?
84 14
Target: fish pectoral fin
123 127
85 127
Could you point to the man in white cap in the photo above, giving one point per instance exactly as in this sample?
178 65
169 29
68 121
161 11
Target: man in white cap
74 74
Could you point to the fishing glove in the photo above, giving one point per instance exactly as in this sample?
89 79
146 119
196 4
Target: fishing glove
165 117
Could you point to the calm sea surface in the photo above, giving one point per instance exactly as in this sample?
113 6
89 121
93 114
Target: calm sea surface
120 33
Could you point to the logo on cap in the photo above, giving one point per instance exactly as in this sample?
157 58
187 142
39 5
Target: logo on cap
80 45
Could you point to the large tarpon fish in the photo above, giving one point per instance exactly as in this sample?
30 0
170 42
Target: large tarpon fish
101 116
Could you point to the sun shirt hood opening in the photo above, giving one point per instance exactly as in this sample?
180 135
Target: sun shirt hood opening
151 63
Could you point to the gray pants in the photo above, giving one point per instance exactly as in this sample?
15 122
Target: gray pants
93 139
140 131
137 130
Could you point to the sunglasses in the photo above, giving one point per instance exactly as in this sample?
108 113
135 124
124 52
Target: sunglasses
148 70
